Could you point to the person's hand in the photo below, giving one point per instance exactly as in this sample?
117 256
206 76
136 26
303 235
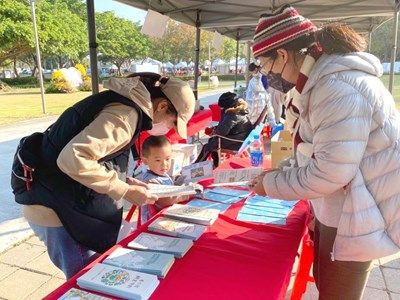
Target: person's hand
256 185
133 181
155 181
139 195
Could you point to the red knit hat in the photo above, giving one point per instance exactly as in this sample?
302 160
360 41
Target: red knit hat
279 28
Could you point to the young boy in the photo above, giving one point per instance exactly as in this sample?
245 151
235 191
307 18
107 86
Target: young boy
157 154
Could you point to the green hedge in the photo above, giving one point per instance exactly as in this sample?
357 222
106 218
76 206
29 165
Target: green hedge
227 77
23 81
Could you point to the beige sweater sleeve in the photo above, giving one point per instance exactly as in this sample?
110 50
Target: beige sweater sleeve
109 132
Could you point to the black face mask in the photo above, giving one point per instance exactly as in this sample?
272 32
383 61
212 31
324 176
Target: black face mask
276 81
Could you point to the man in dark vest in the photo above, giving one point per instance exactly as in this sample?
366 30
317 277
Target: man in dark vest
72 178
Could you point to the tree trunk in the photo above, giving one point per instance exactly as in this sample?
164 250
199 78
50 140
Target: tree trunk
60 65
15 67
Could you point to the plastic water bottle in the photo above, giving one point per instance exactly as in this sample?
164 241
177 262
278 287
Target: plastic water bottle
267 135
256 152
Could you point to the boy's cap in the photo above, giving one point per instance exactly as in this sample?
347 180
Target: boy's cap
182 98
279 28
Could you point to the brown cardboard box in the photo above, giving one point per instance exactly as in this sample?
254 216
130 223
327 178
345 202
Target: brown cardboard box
281 147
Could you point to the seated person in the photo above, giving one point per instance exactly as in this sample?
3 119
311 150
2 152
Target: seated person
234 124
157 154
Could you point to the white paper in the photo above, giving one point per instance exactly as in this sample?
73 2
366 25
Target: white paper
235 176
155 24
198 171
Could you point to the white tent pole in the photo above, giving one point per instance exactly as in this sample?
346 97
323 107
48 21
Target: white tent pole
391 80
38 59
248 63
237 55
92 45
197 55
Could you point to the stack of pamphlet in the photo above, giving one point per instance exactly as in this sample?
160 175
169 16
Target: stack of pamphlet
202 216
119 282
76 294
221 207
218 197
265 210
159 243
232 192
177 228
141 261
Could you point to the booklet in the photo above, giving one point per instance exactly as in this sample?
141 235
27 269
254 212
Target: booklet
266 211
261 219
77 294
162 191
235 176
160 243
177 228
232 192
202 216
119 282
269 202
198 171
222 207
210 195
142 261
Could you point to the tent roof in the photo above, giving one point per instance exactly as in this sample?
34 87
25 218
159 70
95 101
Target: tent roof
234 18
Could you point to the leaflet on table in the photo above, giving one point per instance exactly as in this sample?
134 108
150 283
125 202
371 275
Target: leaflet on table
261 219
198 171
141 261
279 212
77 294
210 195
118 282
222 207
159 243
177 228
231 192
235 176
162 191
202 216
268 202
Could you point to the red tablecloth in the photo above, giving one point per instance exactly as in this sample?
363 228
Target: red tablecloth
232 260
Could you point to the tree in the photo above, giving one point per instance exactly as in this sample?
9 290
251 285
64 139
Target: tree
16 33
62 32
228 50
119 39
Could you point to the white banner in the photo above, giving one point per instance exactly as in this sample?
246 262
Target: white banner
155 24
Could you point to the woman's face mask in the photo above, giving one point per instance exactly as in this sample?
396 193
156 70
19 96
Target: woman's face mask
161 128
276 81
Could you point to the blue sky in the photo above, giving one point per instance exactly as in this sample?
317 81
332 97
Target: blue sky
121 10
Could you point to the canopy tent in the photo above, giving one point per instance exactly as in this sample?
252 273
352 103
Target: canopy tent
236 19
229 16
181 64
168 65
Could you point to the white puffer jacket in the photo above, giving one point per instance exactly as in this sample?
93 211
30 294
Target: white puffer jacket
352 127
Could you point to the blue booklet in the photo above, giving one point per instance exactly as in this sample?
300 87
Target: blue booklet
261 219
177 228
231 192
266 211
209 195
160 243
269 202
222 207
142 261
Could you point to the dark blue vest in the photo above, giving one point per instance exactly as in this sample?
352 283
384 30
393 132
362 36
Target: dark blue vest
92 219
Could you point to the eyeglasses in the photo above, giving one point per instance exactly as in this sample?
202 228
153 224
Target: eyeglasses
264 72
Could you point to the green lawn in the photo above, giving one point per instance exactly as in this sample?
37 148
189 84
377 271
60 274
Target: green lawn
23 104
